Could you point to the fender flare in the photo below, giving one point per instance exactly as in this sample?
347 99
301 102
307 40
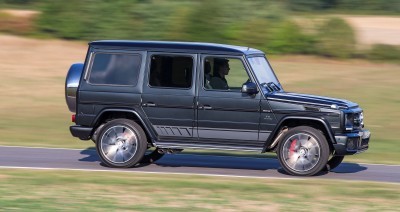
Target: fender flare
321 120
149 131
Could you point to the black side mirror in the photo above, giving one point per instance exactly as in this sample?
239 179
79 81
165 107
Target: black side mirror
249 88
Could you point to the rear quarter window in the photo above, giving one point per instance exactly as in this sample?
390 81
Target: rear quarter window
115 69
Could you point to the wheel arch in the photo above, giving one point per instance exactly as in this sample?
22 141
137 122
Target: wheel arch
293 121
114 113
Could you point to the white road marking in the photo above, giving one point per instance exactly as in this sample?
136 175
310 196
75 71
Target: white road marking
51 148
377 164
149 172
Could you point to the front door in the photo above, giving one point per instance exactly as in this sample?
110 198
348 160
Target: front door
224 114
168 95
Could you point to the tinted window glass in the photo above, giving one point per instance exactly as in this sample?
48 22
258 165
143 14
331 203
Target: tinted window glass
171 71
115 69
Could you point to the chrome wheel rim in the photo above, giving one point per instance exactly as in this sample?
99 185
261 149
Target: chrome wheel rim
301 152
119 144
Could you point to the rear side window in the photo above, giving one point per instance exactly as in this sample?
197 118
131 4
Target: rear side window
171 71
115 69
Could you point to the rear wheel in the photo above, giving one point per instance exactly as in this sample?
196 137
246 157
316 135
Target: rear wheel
303 151
121 143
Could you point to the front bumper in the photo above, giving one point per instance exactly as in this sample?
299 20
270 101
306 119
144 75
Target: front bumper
352 143
83 133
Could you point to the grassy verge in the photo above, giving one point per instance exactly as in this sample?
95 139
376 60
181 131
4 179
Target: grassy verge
73 190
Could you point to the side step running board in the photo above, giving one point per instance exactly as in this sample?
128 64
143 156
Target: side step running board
166 145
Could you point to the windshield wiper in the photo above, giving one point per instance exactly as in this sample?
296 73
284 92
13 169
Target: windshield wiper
274 86
271 86
265 85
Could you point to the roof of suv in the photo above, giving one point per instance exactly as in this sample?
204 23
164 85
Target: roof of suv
186 46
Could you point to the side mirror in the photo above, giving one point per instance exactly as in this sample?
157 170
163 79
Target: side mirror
249 88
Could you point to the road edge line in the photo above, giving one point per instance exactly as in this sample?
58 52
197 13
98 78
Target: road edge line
150 172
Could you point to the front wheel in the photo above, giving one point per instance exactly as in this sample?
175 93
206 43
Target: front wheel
303 151
121 143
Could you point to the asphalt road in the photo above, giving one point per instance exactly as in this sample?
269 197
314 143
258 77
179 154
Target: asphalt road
26 157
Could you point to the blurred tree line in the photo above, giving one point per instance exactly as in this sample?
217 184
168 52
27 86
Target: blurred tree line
258 23
263 24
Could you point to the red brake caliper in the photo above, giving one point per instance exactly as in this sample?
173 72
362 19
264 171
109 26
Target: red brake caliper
292 146
125 135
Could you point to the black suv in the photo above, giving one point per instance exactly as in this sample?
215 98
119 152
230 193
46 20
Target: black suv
130 96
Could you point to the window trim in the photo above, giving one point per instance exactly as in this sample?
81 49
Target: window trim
92 58
222 56
169 54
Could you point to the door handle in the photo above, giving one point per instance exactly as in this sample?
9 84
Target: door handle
205 107
149 104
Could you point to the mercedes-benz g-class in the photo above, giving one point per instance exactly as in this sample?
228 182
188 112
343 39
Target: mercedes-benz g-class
130 96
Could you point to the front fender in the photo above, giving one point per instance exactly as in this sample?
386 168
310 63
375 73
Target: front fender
271 143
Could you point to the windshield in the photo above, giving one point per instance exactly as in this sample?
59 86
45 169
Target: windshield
264 73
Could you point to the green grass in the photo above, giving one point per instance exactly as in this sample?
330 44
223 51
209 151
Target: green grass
101 191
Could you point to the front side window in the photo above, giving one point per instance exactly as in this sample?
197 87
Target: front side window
171 71
115 69
221 73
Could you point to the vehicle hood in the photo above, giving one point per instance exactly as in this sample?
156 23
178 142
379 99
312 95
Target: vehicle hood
312 100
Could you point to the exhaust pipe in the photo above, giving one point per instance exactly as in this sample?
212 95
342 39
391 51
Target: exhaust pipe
169 151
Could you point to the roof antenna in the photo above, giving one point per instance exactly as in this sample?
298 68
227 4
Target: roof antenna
248 48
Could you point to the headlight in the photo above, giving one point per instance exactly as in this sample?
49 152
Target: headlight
349 120
354 121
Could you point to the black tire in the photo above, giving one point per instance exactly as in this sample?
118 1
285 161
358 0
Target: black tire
334 162
303 151
151 157
121 143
